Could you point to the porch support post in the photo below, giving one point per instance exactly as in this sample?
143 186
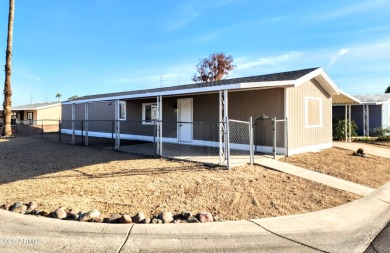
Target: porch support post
73 123
86 123
159 125
350 123
251 150
220 125
223 128
346 124
117 125
366 120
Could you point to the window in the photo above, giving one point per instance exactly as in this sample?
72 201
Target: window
149 113
313 112
30 116
122 110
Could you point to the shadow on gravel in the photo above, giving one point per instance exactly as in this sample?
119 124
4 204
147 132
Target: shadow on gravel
26 157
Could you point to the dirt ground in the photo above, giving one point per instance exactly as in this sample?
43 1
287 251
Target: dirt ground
55 174
372 172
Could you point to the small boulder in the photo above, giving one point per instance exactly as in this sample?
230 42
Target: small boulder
114 218
73 215
97 219
60 213
125 219
93 213
205 217
139 218
5 206
84 217
166 217
18 207
186 214
31 206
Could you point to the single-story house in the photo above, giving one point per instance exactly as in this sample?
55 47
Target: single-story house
38 113
373 112
303 97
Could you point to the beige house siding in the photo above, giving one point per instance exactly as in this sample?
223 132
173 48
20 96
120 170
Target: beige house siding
300 135
51 113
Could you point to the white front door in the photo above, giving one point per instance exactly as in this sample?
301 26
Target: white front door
184 118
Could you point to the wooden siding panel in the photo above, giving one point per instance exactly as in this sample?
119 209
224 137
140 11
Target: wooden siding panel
299 135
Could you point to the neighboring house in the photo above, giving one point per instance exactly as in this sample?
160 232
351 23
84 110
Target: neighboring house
33 114
304 97
374 112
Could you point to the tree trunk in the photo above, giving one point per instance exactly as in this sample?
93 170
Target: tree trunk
7 84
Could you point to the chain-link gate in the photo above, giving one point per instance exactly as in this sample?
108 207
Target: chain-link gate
240 141
272 132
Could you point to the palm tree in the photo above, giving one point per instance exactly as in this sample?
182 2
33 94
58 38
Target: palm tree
7 131
58 96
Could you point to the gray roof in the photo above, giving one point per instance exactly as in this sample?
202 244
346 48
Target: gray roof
36 106
374 98
282 76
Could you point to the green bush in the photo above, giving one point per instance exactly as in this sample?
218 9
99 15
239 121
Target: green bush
339 129
382 134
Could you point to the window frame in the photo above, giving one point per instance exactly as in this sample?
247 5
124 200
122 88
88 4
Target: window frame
144 122
122 104
320 111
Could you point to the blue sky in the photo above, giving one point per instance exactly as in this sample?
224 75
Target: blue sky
88 47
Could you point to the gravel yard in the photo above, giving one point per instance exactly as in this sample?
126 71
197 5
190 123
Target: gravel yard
372 172
57 174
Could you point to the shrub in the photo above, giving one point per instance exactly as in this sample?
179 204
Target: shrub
339 129
382 134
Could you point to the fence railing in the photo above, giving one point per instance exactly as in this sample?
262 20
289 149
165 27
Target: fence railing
210 142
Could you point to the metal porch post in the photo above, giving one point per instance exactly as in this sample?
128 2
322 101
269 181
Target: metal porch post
251 151
117 125
350 122
274 137
346 123
73 123
159 126
366 121
86 123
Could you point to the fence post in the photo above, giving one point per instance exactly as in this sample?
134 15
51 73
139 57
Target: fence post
251 151
59 131
227 143
42 129
274 137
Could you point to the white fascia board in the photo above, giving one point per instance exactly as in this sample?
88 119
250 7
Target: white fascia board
36 108
271 84
327 83
189 91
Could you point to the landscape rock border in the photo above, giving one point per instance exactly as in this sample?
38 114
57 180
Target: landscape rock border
94 215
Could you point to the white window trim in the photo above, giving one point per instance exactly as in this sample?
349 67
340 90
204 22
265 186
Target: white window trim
307 112
143 114
123 103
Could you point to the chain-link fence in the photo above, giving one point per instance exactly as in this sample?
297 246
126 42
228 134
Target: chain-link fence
45 129
241 140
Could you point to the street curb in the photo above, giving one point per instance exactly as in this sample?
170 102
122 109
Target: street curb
346 228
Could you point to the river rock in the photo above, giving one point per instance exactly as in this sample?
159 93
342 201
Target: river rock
18 207
60 213
205 217
32 206
125 219
166 217
186 214
138 218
